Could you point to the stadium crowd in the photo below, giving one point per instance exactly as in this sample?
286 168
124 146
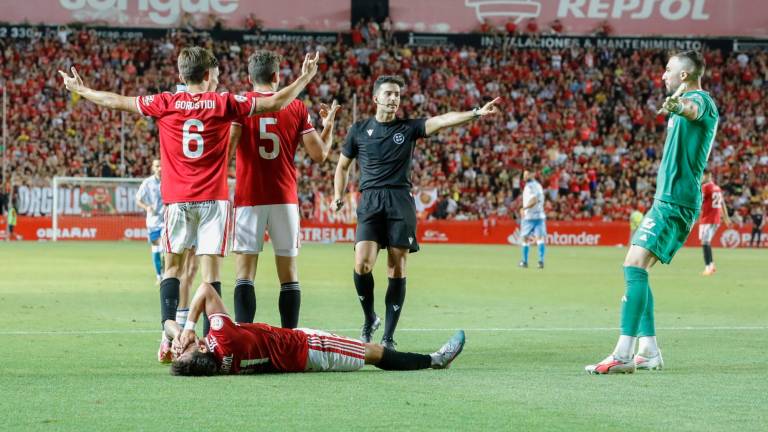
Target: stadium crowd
584 119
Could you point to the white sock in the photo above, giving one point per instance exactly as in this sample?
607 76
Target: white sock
164 338
181 316
647 346
625 347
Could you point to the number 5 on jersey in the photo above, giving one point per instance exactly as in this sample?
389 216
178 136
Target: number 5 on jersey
264 135
188 136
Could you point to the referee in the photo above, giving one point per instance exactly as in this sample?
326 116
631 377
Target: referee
386 214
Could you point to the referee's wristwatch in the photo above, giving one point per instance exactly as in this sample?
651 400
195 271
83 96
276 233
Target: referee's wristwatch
476 112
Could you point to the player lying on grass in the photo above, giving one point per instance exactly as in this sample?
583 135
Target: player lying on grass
232 348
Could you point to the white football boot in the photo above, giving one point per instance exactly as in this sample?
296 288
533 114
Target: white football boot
611 365
644 362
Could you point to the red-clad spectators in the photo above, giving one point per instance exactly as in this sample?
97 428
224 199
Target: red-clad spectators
585 119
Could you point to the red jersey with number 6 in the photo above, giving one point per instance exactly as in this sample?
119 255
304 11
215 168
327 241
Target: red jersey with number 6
711 204
264 168
194 141
255 348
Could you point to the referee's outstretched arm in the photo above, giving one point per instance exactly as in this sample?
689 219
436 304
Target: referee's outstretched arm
451 119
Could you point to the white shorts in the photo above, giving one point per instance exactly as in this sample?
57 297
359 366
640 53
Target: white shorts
204 225
707 232
281 221
332 353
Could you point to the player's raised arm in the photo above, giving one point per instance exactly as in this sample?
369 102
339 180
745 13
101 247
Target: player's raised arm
451 119
319 145
281 99
106 99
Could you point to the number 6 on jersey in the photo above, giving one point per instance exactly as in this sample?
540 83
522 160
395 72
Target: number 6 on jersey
188 136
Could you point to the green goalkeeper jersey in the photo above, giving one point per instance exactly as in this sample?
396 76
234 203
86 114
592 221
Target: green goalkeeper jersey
686 151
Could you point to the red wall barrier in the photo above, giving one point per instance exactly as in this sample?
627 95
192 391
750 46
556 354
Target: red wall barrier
577 233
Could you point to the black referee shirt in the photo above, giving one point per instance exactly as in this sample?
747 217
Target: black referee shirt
384 151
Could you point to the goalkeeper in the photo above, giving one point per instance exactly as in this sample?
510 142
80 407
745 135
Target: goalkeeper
691 130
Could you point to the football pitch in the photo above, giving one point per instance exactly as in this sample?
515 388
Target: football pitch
79 330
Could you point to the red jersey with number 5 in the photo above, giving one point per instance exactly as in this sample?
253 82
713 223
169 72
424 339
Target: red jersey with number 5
255 348
264 167
194 141
711 204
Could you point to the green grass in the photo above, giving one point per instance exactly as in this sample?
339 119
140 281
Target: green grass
79 330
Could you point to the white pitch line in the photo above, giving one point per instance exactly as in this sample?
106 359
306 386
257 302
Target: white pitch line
414 330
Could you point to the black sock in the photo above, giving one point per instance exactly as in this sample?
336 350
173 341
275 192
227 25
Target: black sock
169 299
394 302
364 287
707 254
289 304
206 323
245 301
402 361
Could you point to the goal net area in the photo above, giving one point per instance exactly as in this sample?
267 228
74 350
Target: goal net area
86 208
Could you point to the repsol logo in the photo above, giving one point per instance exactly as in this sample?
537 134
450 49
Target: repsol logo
671 10
163 12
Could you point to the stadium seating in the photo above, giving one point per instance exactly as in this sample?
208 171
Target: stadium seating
578 117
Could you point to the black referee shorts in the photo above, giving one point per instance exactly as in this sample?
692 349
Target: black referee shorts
388 217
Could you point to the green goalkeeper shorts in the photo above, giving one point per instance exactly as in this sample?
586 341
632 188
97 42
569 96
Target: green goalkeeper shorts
665 229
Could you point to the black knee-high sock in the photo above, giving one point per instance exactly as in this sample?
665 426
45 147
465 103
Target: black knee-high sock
364 287
707 254
169 299
403 361
289 304
394 300
206 323
245 301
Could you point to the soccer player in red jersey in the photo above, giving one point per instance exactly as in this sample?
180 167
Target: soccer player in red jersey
266 197
712 210
194 143
231 348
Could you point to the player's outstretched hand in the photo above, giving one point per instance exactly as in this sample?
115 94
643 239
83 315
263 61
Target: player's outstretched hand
328 114
73 83
338 204
309 67
672 104
489 108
